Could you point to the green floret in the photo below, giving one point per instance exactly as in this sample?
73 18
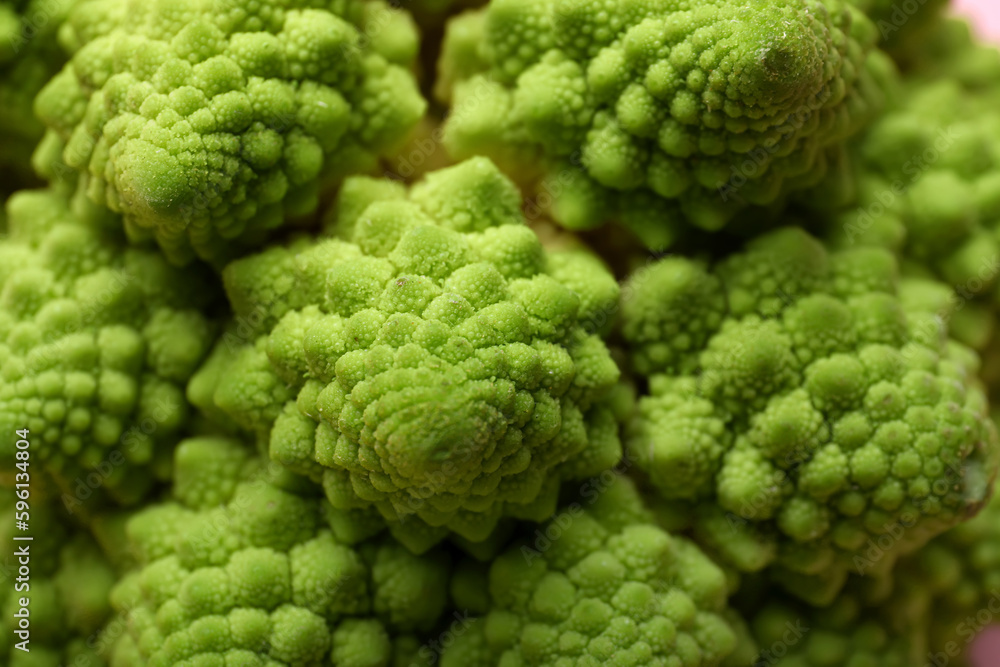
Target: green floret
67 590
958 575
926 181
904 27
240 568
97 340
29 56
663 115
848 633
928 610
435 363
806 404
600 584
952 50
224 119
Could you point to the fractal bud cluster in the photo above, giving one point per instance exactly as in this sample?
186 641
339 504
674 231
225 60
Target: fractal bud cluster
673 344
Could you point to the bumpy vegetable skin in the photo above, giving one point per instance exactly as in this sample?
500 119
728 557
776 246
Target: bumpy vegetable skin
279 412
439 365
240 567
224 120
97 341
662 115
30 54
807 403
926 180
600 584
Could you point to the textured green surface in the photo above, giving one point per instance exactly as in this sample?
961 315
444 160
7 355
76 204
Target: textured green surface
904 27
848 633
600 585
97 341
429 371
960 573
29 56
926 181
809 405
226 116
663 115
438 365
240 569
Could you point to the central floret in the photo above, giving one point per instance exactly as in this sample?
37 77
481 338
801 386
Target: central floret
439 364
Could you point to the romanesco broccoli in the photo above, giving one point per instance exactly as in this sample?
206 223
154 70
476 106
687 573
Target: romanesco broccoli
240 568
848 633
428 426
926 184
97 341
664 115
208 123
958 574
927 611
436 362
29 56
600 584
808 404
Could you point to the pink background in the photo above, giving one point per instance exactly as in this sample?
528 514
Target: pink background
986 651
986 15
986 18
